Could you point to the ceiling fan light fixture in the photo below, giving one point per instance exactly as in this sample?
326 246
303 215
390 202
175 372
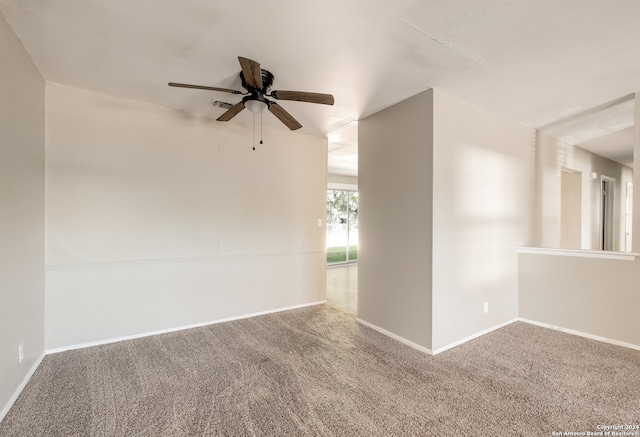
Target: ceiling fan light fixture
255 106
257 83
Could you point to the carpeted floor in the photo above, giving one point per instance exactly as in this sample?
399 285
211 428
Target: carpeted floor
315 371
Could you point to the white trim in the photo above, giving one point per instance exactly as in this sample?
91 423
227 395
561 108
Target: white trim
602 254
473 336
580 334
395 336
439 350
179 328
21 387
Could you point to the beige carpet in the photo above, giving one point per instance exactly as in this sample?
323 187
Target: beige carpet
315 371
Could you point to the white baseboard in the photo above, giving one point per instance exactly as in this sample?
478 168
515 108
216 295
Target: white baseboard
580 334
439 350
21 387
471 337
179 328
395 336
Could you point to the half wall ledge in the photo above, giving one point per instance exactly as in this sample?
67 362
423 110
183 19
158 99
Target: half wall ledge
602 254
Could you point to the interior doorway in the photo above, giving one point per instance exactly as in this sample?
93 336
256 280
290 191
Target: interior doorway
571 209
342 249
628 217
607 223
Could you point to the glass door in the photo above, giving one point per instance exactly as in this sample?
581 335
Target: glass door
342 226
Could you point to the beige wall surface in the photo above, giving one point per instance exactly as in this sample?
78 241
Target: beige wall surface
446 195
482 210
158 219
599 297
594 296
21 214
394 182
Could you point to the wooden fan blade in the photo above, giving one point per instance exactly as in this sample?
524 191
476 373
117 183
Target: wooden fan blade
300 96
201 87
284 116
231 112
252 72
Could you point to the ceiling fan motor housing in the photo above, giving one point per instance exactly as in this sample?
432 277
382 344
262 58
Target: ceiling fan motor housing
267 82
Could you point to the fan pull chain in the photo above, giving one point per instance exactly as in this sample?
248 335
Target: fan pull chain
254 130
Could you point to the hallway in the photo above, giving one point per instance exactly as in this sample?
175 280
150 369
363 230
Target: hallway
342 287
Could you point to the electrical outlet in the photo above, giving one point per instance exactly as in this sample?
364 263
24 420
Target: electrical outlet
486 307
20 352
319 223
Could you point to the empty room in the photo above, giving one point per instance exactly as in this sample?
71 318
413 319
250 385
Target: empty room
169 180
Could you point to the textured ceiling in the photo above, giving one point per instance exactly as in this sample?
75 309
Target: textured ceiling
535 61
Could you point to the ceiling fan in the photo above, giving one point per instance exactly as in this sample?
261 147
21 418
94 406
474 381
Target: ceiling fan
258 83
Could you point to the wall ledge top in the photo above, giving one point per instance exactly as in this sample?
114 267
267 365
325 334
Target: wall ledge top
602 254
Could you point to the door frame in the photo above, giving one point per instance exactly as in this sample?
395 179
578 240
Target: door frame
607 225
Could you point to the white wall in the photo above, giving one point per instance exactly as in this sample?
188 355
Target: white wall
394 219
483 179
446 195
596 297
158 219
21 215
